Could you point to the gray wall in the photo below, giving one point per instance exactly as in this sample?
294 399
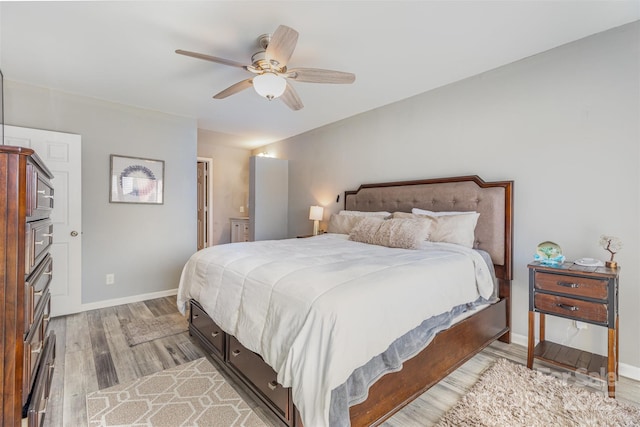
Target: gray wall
145 246
563 124
230 180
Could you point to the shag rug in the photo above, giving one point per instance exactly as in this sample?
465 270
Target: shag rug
193 394
513 395
142 330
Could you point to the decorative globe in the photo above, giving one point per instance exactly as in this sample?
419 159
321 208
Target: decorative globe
549 253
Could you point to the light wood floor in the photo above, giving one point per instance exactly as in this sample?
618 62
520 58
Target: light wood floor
92 354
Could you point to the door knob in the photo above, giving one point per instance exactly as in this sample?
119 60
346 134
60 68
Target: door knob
74 233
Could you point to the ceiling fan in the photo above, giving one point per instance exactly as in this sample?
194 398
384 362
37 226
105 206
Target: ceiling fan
269 66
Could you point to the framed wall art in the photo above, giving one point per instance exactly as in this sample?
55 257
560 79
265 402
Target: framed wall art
136 180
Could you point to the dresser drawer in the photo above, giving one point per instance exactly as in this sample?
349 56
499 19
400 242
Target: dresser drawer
37 406
34 346
35 286
262 376
207 328
572 285
571 308
39 238
39 194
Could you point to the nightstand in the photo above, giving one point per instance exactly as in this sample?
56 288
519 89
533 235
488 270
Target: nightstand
584 294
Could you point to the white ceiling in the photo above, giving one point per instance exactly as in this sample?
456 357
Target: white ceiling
124 51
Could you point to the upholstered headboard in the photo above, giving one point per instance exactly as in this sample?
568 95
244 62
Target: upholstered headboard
493 200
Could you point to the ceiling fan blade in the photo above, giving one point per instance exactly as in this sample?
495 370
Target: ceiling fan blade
235 88
281 45
211 58
316 75
291 99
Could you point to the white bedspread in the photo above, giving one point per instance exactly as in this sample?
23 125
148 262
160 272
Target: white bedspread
318 308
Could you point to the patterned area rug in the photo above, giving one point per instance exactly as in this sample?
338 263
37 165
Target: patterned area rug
513 395
193 394
142 330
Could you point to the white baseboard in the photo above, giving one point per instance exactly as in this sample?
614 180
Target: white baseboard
128 300
625 369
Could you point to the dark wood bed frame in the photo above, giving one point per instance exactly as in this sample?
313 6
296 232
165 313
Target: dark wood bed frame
450 348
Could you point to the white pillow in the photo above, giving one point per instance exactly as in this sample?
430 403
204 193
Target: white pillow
432 213
379 214
459 228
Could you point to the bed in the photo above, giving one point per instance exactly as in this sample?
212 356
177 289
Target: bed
270 321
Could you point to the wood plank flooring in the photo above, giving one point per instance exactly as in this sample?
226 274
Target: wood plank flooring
92 353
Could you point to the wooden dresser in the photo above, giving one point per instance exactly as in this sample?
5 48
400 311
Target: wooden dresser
26 232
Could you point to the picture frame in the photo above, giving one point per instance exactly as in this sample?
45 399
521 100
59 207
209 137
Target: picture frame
136 180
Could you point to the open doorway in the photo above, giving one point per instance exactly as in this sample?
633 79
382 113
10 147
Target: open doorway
204 209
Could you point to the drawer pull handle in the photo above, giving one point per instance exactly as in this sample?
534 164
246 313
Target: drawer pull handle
568 284
272 385
48 197
37 350
38 293
42 192
48 273
215 334
47 235
40 242
235 352
195 316
568 307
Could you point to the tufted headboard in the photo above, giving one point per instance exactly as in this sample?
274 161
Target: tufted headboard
493 200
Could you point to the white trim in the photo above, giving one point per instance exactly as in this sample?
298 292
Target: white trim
128 300
625 370
209 162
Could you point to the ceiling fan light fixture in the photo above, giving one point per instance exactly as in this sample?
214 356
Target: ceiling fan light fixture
269 85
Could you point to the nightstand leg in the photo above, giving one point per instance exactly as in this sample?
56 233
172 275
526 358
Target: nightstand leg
612 363
617 345
532 321
542 327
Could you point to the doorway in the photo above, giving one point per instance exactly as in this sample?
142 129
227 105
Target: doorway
204 208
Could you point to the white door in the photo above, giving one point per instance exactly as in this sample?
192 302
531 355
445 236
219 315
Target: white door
61 152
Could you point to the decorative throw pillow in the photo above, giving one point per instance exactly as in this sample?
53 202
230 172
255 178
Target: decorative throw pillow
379 214
406 233
342 224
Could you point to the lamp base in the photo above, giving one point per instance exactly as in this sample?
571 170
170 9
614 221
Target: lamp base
611 264
316 225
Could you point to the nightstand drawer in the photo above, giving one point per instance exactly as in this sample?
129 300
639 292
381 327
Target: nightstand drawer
572 285
571 307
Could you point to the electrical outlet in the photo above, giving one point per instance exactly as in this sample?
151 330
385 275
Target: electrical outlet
110 279
242 209
580 325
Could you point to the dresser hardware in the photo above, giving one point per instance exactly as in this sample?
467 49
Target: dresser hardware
37 350
568 307
273 385
48 273
568 284
195 316
38 293
48 235
74 233
214 334
42 192
48 197
235 352
40 242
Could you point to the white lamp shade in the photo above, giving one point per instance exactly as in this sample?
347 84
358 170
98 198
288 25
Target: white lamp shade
269 85
316 212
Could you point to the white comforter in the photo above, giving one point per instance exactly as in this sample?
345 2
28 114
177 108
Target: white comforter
318 308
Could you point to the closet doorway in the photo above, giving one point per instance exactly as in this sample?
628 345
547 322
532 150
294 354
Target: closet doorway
204 208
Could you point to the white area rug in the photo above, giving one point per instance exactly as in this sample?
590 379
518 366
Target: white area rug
513 395
193 394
